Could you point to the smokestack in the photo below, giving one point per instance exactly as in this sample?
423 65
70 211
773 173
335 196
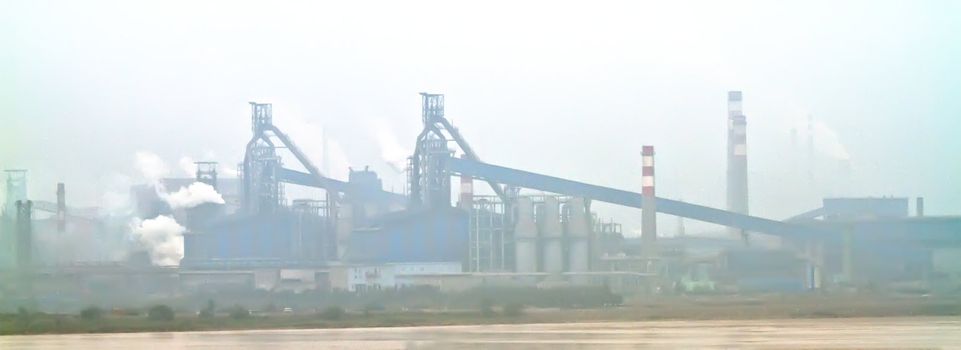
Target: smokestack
466 193
919 206
61 209
648 208
737 193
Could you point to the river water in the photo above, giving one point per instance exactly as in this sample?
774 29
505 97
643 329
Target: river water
840 333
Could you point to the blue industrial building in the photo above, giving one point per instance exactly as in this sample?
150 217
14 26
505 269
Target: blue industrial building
245 241
437 235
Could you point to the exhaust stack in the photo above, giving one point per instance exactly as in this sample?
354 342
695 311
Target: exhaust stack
648 208
737 191
466 200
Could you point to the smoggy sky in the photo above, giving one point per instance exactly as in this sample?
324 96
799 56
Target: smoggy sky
566 89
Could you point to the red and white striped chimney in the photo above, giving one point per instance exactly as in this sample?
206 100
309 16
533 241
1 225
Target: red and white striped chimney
647 157
648 208
737 191
466 200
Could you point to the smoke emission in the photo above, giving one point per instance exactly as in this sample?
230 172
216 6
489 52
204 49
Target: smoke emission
115 200
827 141
151 166
391 150
162 237
191 196
307 137
188 166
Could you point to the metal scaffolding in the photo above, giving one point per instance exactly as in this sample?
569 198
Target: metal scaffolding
207 173
428 146
491 236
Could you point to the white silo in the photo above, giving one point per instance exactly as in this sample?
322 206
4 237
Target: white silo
578 235
552 235
525 237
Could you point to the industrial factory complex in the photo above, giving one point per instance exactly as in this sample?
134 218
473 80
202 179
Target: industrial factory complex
526 229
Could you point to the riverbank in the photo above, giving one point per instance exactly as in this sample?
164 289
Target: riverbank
637 309
823 333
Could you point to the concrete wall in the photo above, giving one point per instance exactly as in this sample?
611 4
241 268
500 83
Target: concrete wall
217 280
430 268
392 275
360 278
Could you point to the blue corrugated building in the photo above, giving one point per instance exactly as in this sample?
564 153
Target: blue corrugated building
269 240
430 235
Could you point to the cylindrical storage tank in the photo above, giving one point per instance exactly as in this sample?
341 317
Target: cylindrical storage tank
578 233
525 237
552 235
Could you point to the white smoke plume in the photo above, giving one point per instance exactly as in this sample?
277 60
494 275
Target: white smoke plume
151 167
188 166
191 196
163 237
226 171
827 141
115 200
391 150
307 136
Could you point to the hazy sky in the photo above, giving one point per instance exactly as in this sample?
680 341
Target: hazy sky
566 89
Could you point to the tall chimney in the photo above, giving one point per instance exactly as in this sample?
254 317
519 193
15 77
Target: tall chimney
648 207
466 201
919 206
737 194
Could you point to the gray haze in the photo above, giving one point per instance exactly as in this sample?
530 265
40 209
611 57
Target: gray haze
567 90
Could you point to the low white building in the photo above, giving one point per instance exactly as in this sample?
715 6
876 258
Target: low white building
359 278
363 278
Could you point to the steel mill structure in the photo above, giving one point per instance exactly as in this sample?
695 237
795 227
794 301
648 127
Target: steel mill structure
533 229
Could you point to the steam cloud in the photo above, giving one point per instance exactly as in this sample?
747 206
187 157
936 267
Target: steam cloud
191 196
164 238
827 141
390 149
151 166
188 166
115 200
305 135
